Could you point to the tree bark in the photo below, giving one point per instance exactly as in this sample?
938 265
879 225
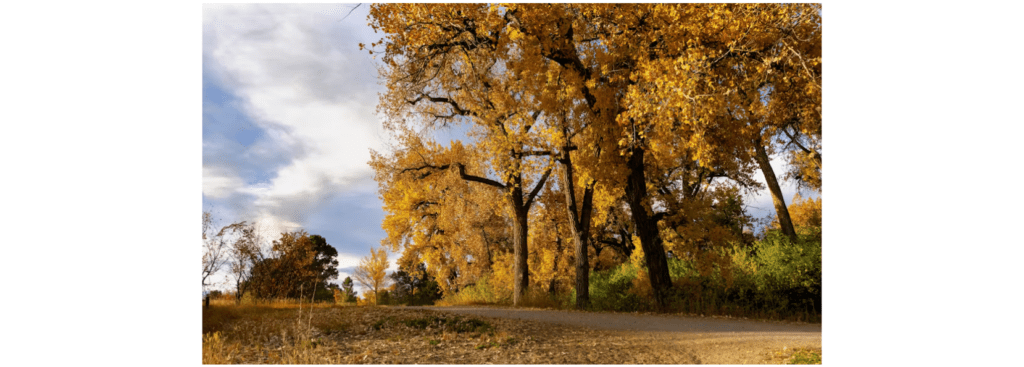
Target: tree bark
647 228
580 228
773 185
520 230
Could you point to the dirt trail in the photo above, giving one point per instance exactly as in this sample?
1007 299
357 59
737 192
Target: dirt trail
700 339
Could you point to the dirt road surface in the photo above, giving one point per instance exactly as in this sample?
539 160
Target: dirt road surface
680 339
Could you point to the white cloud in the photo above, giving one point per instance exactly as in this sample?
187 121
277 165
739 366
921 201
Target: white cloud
392 266
341 277
219 182
300 77
348 261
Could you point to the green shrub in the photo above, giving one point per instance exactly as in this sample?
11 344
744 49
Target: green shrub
610 290
773 278
481 293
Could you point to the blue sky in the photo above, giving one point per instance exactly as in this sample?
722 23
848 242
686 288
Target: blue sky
288 122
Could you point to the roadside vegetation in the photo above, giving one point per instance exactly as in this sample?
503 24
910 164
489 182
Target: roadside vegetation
771 278
285 332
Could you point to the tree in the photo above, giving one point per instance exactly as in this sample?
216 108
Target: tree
684 94
324 265
349 294
709 84
245 252
372 272
445 64
214 249
414 286
300 265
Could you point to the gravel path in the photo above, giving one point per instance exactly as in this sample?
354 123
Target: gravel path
703 339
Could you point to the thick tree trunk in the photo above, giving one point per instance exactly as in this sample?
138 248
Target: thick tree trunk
647 228
521 275
580 228
773 185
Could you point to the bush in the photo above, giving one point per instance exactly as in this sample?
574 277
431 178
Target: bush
773 278
484 292
613 290
790 273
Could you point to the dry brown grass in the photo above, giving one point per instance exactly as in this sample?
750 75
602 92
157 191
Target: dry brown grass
280 333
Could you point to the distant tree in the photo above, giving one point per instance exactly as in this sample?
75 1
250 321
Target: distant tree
414 286
384 298
347 291
324 265
214 249
244 253
300 264
372 272
339 297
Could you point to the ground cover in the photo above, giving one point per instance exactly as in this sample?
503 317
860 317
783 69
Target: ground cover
326 334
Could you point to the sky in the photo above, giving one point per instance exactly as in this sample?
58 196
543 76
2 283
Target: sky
289 120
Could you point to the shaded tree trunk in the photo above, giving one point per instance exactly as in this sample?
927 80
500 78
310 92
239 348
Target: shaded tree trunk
773 185
580 228
647 228
520 231
553 284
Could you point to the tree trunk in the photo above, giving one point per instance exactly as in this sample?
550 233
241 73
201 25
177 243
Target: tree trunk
554 264
520 229
579 225
773 185
520 235
647 228
238 292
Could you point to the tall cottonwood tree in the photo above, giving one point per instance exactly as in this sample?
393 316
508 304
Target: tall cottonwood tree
456 227
749 71
442 67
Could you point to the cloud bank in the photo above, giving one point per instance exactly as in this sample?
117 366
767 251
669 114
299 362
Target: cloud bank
295 83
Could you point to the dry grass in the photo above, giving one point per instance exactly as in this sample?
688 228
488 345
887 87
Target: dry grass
796 356
326 334
534 298
275 332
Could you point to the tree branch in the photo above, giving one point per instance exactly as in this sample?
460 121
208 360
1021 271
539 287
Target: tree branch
483 180
536 189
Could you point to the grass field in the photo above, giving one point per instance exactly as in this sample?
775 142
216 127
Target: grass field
292 333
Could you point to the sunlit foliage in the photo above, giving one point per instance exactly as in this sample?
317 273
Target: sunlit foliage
656 116
372 273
